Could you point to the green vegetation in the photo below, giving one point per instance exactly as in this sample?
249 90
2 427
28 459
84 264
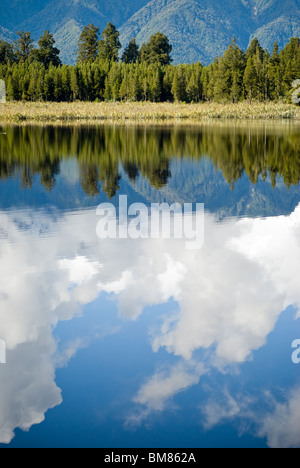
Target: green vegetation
88 44
24 47
157 51
109 45
144 74
131 53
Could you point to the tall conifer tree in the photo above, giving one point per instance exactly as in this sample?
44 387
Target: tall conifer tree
88 44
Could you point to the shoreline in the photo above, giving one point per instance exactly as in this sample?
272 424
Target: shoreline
136 112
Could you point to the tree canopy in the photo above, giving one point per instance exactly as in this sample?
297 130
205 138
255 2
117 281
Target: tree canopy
23 46
88 44
146 73
47 52
131 53
157 50
109 44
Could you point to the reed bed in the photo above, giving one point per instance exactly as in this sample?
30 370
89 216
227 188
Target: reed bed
142 111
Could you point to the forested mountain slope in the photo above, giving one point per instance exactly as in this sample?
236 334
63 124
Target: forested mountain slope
198 29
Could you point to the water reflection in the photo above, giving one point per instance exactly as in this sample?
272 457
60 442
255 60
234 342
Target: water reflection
226 300
264 152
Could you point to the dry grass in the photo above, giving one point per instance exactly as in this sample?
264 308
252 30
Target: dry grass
138 112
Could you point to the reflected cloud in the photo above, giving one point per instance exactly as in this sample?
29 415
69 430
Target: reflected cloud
236 288
225 407
28 386
162 386
276 421
229 294
281 427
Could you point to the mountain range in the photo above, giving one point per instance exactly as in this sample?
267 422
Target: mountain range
198 29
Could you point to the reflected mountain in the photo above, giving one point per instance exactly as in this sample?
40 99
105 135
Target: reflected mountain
248 168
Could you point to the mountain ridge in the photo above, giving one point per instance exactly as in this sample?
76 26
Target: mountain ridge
199 30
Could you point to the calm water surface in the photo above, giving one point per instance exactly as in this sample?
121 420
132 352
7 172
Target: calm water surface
143 343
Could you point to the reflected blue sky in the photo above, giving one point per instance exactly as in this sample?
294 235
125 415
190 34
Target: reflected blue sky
121 343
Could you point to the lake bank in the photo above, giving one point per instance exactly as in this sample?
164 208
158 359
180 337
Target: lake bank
143 111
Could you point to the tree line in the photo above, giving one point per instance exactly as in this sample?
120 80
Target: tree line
144 73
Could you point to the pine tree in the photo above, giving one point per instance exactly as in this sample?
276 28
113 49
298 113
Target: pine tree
208 77
250 82
6 53
260 75
74 87
252 49
88 82
155 83
107 90
158 50
131 53
109 44
40 84
115 77
125 85
32 87
12 89
290 62
47 53
65 83
88 44
49 84
168 78
99 81
194 85
267 67
144 81
58 93
274 74
229 74
24 82
179 84
135 84
23 46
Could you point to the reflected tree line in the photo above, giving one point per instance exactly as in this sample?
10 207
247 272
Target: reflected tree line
104 153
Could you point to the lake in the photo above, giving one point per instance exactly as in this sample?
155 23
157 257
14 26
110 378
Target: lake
140 341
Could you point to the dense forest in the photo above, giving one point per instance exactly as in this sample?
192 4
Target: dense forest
103 153
144 73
